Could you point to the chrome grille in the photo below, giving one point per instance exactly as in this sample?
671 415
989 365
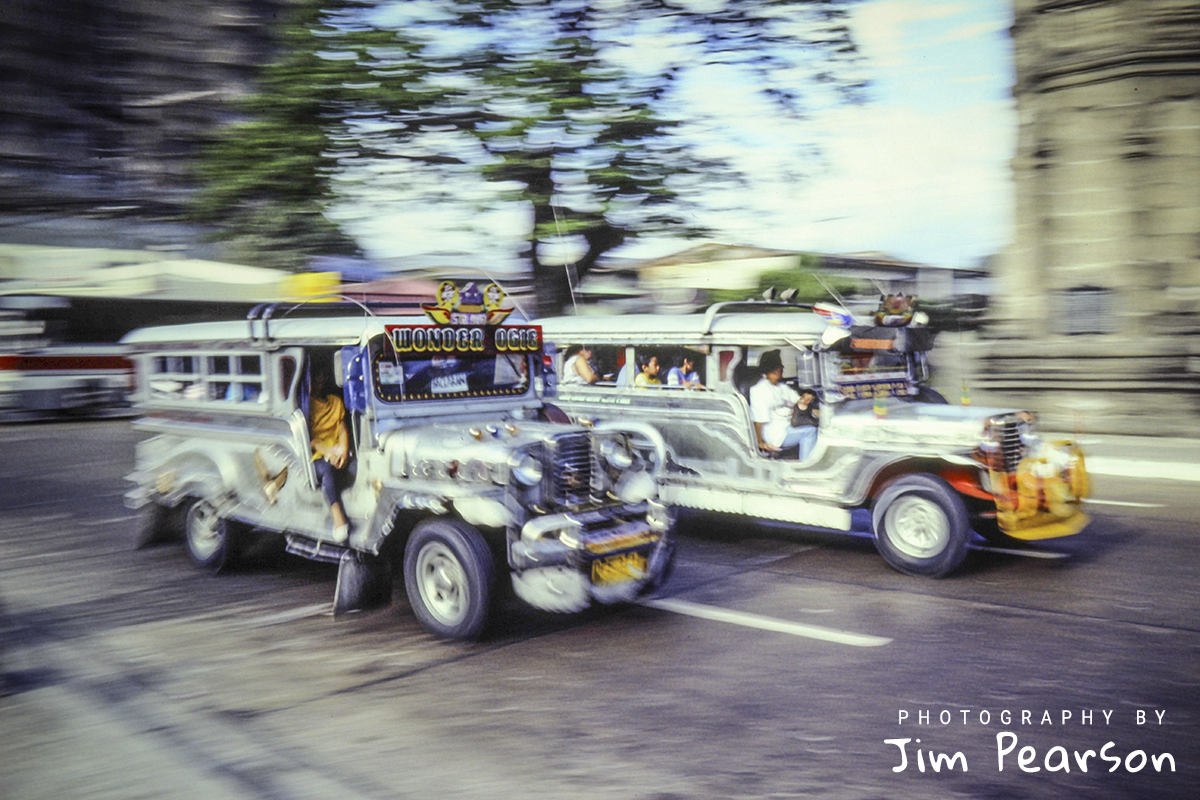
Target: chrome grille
1010 444
571 469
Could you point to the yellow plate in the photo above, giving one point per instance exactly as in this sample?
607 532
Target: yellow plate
619 568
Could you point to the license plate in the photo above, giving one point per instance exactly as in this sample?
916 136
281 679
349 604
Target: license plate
619 568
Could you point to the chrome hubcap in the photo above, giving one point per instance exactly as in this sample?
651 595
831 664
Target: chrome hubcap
204 531
442 583
917 527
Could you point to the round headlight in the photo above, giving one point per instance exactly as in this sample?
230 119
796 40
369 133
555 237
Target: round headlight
616 453
634 487
527 469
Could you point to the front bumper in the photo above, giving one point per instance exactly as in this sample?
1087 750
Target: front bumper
565 562
1042 497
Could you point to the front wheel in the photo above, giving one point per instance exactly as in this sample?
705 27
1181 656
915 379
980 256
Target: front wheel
449 576
207 536
921 526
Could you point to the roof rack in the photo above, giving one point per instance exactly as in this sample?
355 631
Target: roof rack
319 306
749 305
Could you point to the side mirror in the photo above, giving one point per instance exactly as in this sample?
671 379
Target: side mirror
806 368
549 370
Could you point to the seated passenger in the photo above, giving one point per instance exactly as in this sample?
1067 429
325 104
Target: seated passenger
684 374
577 369
331 447
647 376
771 410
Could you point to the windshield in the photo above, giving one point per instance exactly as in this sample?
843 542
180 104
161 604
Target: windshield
403 377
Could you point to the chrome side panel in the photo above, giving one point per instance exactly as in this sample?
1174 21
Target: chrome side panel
236 463
713 461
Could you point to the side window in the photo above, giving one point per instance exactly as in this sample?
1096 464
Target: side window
175 377
683 367
235 378
606 361
647 370
218 378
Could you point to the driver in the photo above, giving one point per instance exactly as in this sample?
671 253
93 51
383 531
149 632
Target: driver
781 417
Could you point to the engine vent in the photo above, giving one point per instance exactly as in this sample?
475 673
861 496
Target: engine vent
1011 445
570 478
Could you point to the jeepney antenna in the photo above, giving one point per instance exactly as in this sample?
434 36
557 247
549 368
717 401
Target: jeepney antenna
836 296
485 274
566 265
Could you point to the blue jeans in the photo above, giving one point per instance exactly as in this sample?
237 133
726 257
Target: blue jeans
332 481
806 437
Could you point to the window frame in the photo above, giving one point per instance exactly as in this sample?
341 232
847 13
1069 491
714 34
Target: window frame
207 381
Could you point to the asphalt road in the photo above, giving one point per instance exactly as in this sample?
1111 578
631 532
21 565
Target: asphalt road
775 664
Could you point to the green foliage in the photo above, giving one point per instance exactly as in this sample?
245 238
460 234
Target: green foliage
266 181
550 102
803 278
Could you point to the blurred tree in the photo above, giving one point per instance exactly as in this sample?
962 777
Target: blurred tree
570 107
803 278
266 181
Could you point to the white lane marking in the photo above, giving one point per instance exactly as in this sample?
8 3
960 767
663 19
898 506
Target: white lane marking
766 623
1154 470
1123 503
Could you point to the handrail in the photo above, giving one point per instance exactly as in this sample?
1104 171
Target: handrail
265 312
251 316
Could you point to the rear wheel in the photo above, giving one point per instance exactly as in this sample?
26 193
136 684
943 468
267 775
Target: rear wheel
449 575
921 526
207 536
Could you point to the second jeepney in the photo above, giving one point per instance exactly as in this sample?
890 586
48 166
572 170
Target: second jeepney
928 473
459 475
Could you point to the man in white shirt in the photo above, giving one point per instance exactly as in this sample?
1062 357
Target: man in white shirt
771 405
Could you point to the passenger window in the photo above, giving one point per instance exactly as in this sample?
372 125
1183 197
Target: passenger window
606 361
682 367
647 370
175 377
223 379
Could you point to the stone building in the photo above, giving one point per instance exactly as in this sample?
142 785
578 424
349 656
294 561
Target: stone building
1100 290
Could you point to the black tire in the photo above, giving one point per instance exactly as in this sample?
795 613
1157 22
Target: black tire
921 526
927 395
208 537
989 529
449 575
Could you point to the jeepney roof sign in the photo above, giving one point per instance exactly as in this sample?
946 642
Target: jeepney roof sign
468 305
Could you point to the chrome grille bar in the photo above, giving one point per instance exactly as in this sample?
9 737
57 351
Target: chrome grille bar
571 470
1010 444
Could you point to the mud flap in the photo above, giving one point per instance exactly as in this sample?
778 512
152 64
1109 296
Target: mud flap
364 582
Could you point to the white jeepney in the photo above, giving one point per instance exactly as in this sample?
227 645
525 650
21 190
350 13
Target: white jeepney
460 477
928 473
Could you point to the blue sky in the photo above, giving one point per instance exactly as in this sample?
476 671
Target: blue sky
921 172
